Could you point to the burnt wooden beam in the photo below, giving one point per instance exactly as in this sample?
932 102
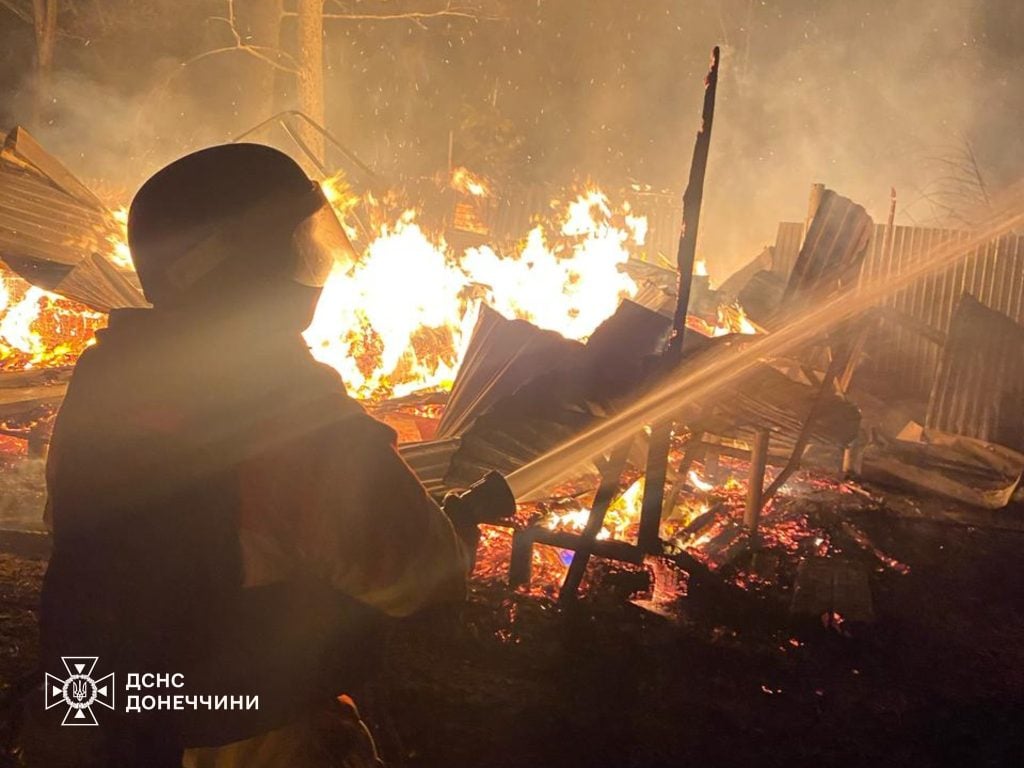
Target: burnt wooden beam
595 521
661 433
818 405
521 563
23 392
693 197
755 483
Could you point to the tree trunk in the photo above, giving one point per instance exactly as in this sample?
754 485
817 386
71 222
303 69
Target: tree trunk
310 43
44 18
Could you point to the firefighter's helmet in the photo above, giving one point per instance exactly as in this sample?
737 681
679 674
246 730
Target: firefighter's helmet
229 215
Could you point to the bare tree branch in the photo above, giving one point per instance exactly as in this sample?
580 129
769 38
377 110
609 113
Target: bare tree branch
272 56
416 17
258 51
976 169
22 13
407 15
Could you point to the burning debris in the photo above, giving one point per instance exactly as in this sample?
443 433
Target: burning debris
56 234
388 336
522 342
610 455
497 328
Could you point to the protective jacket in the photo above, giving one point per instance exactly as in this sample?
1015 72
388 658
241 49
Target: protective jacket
222 509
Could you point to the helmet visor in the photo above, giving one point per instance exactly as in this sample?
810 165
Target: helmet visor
318 243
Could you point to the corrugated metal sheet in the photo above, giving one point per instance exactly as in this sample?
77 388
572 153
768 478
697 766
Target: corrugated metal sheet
502 355
994 274
39 221
829 258
832 252
664 221
560 401
54 232
768 399
430 461
979 386
787 247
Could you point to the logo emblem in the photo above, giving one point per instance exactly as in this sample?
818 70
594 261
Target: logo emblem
79 691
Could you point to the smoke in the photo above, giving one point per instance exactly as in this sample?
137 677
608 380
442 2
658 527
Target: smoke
861 96
121 101
114 140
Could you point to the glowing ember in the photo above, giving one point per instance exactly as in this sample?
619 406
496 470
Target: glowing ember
41 329
495 550
700 268
706 524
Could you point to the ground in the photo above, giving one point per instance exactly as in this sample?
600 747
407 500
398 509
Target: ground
511 680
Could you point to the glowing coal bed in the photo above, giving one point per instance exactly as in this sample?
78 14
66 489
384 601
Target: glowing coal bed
706 522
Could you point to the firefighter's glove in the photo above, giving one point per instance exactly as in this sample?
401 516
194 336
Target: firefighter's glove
486 501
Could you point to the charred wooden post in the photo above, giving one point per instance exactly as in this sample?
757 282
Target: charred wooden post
693 196
520 565
648 539
595 521
755 484
655 476
804 436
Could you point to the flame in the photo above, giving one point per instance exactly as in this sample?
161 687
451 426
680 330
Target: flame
399 320
700 268
731 318
468 183
15 328
637 225
620 520
39 328
119 252
698 482
394 323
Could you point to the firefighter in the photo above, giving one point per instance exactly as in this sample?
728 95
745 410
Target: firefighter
220 508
